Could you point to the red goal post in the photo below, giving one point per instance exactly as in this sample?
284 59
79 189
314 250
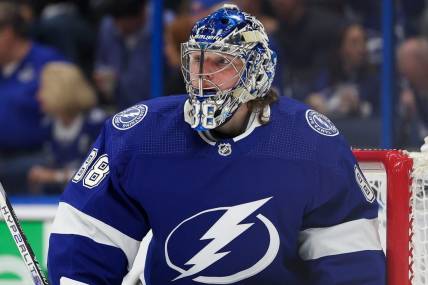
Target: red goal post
400 180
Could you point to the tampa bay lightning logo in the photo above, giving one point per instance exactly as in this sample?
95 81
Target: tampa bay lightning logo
225 230
129 117
321 124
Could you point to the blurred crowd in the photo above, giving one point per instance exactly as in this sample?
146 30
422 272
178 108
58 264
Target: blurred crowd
65 66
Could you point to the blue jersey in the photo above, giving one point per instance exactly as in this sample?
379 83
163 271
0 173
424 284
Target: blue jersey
19 110
68 146
283 203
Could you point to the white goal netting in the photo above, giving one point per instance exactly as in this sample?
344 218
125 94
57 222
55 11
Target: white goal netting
419 219
416 207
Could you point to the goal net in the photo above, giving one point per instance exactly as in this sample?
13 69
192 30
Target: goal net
400 180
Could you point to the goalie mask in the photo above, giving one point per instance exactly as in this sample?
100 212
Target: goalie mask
226 62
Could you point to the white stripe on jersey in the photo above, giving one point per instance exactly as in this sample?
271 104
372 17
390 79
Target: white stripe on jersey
68 281
70 221
353 236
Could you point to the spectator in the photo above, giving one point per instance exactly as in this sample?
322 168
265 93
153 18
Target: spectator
337 6
413 67
176 32
410 15
69 101
367 12
201 8
61 26
256 8
304 39
123 57
27 10
21 62
349 87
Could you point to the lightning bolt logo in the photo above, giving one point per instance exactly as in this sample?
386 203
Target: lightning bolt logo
224 231
130 114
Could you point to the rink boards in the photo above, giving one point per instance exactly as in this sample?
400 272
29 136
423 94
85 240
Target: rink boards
36 221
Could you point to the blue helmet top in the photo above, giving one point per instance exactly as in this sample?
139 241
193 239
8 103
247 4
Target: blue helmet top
219 25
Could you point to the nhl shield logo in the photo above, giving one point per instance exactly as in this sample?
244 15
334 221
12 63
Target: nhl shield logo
224 149
129 117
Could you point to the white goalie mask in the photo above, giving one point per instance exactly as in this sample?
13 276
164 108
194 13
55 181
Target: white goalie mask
226 62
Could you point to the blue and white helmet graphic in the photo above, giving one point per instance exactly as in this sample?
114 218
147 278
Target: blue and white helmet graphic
240 39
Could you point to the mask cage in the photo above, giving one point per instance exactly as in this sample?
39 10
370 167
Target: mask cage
198 83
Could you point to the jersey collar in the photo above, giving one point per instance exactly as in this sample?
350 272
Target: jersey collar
252 124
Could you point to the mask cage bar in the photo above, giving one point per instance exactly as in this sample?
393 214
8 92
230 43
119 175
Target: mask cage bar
201 69
237 52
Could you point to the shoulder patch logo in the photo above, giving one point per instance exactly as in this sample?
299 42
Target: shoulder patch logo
321 124
364 185
129 117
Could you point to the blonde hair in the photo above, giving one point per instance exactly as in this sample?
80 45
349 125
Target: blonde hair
64 90
257 105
